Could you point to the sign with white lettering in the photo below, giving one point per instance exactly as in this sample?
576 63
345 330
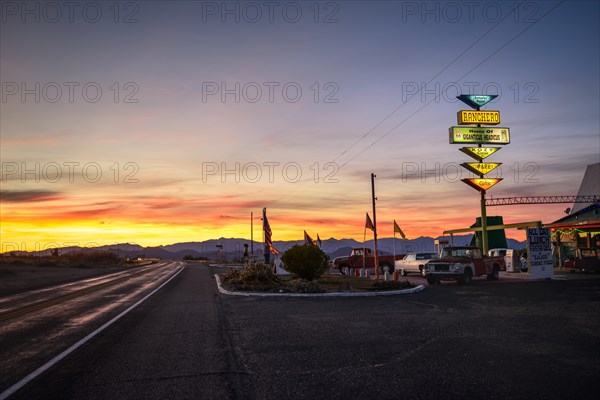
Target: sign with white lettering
476 100
539 253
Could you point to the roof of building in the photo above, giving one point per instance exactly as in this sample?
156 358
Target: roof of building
590 185
587 219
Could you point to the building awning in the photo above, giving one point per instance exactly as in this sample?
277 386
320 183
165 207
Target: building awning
585 226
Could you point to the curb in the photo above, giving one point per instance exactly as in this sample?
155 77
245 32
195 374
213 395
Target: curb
331 294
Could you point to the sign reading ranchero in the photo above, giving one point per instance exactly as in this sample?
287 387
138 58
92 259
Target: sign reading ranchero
468 117
479 135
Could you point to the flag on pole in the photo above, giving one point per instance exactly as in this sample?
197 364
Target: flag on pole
274 250
319 240
308 239
398 230
268 234
369 223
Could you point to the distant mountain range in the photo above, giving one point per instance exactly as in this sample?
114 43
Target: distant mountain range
232 248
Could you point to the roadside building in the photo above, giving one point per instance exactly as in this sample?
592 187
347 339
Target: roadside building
580 229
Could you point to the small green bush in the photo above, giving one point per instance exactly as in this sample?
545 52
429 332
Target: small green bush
306 261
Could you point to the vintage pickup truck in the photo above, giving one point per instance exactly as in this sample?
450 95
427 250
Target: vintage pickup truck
462 263
355 260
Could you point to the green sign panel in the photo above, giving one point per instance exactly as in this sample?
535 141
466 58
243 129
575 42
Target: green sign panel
476 100
479 135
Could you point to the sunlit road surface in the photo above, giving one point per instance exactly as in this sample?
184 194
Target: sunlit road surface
38 325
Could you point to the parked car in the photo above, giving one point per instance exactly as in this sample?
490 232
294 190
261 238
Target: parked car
585 259
356 260
462 263
414 262
511 258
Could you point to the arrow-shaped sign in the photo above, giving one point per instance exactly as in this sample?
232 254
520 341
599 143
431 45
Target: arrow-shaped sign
476 100
481 184
479 153
480 168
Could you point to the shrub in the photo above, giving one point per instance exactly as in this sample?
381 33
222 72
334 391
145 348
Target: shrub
306 261
302 286
256 276
391 285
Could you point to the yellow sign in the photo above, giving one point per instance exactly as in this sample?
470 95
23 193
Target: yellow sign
480 168
479 153
481 184
472 117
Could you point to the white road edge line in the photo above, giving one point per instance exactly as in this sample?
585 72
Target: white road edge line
330 294
12 389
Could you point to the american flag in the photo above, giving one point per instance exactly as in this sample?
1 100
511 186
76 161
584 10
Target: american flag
268 233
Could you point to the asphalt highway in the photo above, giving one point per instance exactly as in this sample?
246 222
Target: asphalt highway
518 340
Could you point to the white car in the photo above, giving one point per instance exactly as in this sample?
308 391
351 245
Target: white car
414 262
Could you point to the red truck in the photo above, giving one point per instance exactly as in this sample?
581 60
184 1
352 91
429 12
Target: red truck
355 260
462 263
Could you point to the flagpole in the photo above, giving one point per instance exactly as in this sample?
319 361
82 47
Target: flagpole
394 243
364 249
375 258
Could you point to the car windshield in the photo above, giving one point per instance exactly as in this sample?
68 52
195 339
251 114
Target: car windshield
426 256
460 252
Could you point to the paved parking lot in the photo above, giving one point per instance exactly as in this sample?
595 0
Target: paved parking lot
509 339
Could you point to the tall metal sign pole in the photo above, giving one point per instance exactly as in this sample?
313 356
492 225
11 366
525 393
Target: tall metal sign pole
479 135
375 258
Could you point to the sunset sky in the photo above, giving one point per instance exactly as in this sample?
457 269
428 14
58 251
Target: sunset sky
157 122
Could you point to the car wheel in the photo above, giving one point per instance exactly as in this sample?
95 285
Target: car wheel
431 280
403 272
494 275
466 278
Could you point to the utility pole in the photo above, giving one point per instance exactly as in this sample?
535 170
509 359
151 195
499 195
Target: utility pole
252 233
375 258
